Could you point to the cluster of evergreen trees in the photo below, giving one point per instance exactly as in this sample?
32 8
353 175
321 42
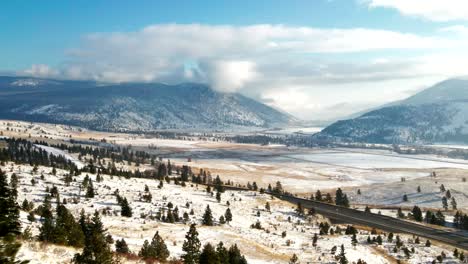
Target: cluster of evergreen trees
209 255
10 225
460 220
23 151
60 228
341 199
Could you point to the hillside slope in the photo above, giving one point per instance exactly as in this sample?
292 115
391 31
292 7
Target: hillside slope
132 106
438 114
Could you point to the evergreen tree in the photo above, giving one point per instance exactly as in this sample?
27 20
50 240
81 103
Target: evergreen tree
10 226
67 230
122 247
223 254
341 198
294 259
47 229
218 197
354 240
454 203
267 206
342 256
318 196
96 249
208 217
417 214
235 256
400 213
405 198
157 250
445 203
191 246
428 243
126 211
90 189
228 215
209 255
300 209
222 220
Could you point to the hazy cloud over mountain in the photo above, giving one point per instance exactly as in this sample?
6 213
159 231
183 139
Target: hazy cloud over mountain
303 70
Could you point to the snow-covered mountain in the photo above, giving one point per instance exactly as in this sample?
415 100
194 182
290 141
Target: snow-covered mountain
132 106
438 114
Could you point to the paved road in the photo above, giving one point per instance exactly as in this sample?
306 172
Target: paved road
382 222
386 223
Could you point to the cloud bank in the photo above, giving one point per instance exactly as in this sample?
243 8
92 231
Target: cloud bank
306 71
435 10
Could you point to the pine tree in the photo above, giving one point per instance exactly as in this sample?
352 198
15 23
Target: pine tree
47 229
354 240
90 189
339 197
10 226
228 215
122 247
209 255
126 211
218 197
235 256
367 210
96 249
267 206
157 250
318 196
222 220
454 203
300 209
191 246
445 203
405 198
223 254
294 259
400 213
428 243
208 217
314 240
342 257
417 214
442 188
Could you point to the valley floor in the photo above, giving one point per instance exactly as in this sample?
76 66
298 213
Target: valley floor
381 176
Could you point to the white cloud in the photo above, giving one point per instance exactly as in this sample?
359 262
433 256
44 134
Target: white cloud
230 76
436 10
307 71
41 70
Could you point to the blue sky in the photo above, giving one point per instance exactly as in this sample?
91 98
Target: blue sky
328 56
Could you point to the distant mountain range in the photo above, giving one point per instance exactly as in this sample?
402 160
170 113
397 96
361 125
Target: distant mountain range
132 106
438 114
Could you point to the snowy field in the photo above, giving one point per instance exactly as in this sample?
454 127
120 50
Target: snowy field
259 246
370 160
391 194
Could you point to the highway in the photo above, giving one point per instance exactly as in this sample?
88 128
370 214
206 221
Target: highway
457 238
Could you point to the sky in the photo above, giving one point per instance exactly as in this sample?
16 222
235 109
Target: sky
316 59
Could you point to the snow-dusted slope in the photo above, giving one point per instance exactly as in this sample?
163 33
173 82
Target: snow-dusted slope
437 114
132 106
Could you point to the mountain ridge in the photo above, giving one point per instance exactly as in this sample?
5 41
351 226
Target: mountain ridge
132 106
438 114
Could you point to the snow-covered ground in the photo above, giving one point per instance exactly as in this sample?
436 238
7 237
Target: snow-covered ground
259 246
391 194
367 160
